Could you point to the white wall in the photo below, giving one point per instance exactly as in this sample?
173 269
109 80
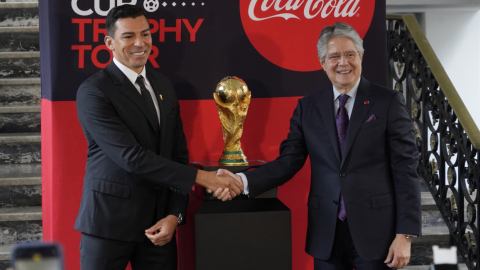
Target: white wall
455 38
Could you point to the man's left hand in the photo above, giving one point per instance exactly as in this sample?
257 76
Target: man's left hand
162 232
399 252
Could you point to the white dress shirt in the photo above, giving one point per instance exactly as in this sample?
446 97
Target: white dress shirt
132 77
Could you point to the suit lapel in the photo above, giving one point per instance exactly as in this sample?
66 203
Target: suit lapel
129 90
360 110
327 111
157 88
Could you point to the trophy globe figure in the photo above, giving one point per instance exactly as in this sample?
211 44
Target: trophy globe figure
232 98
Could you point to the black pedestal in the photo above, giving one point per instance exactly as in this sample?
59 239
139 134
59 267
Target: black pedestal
244 234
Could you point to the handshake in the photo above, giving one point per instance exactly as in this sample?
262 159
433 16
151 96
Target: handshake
224 184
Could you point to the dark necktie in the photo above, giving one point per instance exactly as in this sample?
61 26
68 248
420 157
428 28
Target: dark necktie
342 126
147 97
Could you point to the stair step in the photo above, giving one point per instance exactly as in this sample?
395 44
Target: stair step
20 81
428 203
20 94
19 39
14 5
26 29
21 213
16 148
19 224
20 174
20 231
19 64
432 219
20 119
427 198
20 196
21 1
20 154
5 251
18 14
21 181
20 185
20 91
20 109
10 55
431 216
12 67
435 231
20 138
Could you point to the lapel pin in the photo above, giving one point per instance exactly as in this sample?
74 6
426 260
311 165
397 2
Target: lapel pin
161 97
366 102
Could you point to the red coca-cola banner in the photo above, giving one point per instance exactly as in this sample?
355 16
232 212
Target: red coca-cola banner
286 32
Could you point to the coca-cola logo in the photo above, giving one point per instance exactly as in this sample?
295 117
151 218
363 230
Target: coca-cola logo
285 32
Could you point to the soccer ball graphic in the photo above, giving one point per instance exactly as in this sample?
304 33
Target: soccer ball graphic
151 5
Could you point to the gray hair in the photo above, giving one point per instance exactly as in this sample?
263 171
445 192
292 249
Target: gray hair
338 29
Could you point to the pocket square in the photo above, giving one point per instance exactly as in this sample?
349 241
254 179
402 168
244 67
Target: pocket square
371 118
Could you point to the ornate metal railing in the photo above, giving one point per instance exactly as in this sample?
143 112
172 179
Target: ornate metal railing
447 137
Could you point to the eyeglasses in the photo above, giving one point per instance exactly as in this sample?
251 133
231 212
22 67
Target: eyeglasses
335 58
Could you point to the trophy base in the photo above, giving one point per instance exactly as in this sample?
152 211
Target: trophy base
233 158
232 164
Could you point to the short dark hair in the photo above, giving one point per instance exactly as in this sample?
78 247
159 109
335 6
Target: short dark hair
122 12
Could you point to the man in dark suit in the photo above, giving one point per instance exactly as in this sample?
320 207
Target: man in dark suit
364 201
137 182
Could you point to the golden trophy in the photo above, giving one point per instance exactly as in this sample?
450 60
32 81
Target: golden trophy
232 98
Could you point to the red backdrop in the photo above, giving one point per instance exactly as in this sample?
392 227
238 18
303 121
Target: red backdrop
63 166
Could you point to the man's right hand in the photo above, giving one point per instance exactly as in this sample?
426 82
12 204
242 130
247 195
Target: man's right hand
222 194
212 181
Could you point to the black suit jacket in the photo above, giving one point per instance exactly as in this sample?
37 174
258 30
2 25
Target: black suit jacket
376 176
135 173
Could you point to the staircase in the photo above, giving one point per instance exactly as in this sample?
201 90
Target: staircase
20 155
435 232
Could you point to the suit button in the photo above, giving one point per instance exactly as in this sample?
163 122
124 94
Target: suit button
157 187
335 202
342 174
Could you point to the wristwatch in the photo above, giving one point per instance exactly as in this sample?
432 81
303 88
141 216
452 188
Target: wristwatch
179 216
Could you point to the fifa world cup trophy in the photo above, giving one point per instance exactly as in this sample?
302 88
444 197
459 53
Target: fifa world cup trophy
232 98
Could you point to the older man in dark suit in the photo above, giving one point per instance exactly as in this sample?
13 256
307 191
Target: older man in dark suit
137 181
364 201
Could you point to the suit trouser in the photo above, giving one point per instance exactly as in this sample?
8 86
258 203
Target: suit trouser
105 254
344 255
